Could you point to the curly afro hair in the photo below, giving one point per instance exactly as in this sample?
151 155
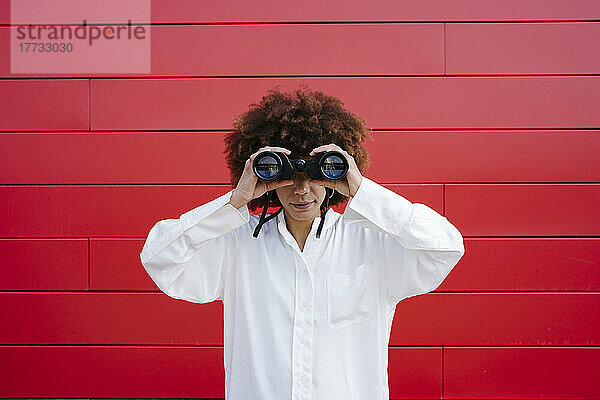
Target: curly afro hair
299 121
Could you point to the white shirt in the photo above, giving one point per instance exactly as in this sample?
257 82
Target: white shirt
312 324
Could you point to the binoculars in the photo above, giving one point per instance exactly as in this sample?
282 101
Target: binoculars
273 165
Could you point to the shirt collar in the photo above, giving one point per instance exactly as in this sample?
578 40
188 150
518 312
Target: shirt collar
331 216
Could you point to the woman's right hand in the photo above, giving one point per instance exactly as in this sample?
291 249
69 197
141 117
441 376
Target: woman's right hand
250 187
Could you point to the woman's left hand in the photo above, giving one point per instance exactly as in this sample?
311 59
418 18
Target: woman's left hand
347 186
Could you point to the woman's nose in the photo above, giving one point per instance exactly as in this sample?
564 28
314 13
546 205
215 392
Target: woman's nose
301 183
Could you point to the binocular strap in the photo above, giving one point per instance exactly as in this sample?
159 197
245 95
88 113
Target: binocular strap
328 194
263 220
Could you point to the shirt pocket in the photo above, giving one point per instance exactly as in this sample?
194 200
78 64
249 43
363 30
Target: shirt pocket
349 297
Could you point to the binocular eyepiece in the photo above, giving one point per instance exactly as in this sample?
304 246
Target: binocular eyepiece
273 165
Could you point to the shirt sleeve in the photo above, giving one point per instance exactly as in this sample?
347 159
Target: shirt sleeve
187 258
419 246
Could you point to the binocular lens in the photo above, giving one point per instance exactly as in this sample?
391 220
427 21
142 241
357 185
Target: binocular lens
333 167
267 168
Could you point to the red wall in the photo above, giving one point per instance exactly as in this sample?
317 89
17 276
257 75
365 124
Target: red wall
486 111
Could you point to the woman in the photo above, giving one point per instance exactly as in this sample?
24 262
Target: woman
306 316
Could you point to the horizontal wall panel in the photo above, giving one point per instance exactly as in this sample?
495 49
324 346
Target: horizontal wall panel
82 210
521 373
533 48
526 264
109 318
115 265
346 49
351 49
138 372
397 156
91 158
524 210
96 210
125 211
44 264
340 49
488 264
383 102
485 156
569 209
415 373
155 318
171 372
498 319
44 105
387 10
163 11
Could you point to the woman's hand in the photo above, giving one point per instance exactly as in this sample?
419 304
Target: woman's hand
347 186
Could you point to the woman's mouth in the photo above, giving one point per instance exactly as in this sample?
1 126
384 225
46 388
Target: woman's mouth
302 206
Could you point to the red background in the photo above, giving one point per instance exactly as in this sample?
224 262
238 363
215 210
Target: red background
488 112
